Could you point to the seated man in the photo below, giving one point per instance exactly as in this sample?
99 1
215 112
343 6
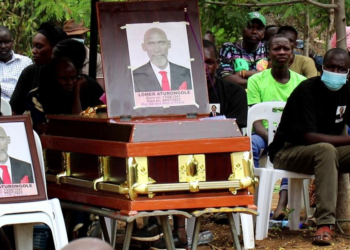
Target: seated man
251 49
309 138
11 64
231 97
303 65
275 84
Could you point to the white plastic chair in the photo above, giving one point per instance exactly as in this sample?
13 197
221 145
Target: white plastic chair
268 175
5 107
27 214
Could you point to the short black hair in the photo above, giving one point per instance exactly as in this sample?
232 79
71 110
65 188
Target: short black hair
334 51
287 28
70 48
4 28
208 44
274 37
270 26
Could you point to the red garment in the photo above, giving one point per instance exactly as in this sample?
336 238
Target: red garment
6 179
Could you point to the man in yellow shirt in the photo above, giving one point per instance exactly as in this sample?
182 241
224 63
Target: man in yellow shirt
303 65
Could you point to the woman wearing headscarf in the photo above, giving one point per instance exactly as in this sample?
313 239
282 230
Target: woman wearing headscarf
43 42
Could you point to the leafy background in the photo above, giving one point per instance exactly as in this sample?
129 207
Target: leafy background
226 21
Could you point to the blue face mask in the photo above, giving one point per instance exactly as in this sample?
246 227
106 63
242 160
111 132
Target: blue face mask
79 40
333 81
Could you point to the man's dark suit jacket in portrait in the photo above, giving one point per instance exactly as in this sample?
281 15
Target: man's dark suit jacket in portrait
146 80
211 114
19 169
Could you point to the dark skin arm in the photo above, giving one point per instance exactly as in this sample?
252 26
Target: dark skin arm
236 78
261 130
335 140
80 83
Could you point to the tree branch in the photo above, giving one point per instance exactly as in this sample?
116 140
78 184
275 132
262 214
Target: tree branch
321 5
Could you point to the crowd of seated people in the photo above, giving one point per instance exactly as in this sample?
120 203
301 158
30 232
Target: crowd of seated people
262 67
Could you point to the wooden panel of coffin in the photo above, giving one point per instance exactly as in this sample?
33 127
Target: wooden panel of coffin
149 163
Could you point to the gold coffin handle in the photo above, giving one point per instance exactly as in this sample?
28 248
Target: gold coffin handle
93 110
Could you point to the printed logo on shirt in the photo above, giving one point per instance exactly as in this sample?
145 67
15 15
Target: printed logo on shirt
340 114
214 109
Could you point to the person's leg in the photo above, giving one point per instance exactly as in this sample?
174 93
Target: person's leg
321 160
344 159
180 228
4 241
259 145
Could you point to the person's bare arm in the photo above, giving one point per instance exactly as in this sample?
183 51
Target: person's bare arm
335 140
261 130
80 83
238 79
101 81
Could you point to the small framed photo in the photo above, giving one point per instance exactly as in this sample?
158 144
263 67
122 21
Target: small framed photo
20 171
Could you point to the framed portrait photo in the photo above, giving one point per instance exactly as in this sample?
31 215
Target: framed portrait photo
152 60
20 171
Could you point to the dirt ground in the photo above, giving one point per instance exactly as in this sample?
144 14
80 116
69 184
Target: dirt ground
279 239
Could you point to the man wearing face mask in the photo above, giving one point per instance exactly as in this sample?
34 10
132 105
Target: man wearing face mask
309 138
78 32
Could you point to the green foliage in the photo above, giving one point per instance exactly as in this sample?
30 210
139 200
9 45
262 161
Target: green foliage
23 17
225 21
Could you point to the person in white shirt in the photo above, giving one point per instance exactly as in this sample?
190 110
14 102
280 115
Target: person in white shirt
11 64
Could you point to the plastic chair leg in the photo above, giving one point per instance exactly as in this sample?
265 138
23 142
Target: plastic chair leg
264 204
24 236
248 231
295 187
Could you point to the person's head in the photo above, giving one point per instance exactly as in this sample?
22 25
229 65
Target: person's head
44 41
210 61
290 33
254 32
213 108
280 51
6 43
156 44
72 49
87 243
4 142
66 74
270 31
209 36
75 30
335 67
337 61
341 110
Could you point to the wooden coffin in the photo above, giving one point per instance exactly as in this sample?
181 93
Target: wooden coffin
148 164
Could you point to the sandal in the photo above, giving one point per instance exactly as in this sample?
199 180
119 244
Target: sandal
323 236
280 216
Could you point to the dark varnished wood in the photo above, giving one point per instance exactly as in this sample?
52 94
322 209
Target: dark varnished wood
121 149
159 202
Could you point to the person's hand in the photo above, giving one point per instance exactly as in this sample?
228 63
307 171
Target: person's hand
81 82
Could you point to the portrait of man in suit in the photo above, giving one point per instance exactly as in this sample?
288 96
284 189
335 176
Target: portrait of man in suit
340 114
214 111
12 170
159 74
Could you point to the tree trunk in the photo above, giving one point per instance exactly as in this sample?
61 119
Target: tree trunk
340 24
306 33
343 208
330 29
